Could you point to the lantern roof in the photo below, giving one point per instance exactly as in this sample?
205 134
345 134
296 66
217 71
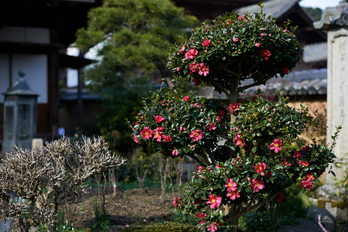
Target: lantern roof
21 87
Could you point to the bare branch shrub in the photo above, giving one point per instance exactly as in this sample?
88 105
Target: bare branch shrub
44 178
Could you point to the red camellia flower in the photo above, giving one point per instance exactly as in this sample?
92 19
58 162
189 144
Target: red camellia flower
183 48
146 133
297 155
176 201
186 98
136 139
257 44
196 135
307 184
214 201
159 118
233 195
285 70
285 163
175 152
239 141
212 227
234 107
260 168
231 185
203 69
193 67
206 43
211 126
200 215
280 197
190 54
235 40
276 145
303 163
310 176
196 81
305 148
257 185
266 54
157 134
168 138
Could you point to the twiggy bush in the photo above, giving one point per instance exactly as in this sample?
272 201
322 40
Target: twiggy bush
44 178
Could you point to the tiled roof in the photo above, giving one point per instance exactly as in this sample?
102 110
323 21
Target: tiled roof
297 83
276 7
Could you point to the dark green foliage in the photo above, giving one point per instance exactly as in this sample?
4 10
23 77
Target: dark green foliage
313 13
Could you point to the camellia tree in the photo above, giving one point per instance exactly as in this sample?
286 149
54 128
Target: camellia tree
246 150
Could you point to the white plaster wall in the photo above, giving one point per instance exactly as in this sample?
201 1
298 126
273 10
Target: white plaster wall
35 67
337 94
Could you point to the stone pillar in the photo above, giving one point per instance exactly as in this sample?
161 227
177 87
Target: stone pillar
335 21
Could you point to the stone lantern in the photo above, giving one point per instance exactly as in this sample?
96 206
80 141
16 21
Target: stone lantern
20 115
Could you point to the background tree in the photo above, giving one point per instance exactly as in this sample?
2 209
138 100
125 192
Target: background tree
136 36
313 13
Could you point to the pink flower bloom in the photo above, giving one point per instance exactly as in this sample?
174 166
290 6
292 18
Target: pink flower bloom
285 163
297 155
262 34
241 17
235 40
175 152
186 98
214 201
260 168
234 107
159 118
276 145
196 81
182 128
239 141
146 133
231 185
193 67
303 163
168 138
177 69
190 54
200 168
206 43
307 184
196 135
211 126
136 139
183 48
280 197
203 69
266 54
212 227
310 176
176 201
257 185
257 44
157 134
285 70
233 195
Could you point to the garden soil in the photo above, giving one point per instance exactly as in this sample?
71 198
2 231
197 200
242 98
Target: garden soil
130 208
